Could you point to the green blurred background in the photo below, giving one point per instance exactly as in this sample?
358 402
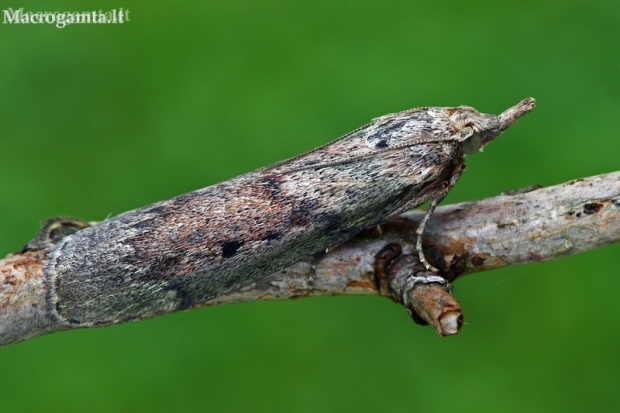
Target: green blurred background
97 120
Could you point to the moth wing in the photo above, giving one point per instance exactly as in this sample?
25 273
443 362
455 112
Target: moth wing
384 134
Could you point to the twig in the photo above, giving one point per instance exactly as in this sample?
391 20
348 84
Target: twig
540 225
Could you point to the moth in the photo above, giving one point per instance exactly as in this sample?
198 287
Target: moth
179 253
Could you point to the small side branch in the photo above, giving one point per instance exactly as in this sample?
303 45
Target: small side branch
540 225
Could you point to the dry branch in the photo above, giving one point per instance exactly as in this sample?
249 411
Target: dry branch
540 225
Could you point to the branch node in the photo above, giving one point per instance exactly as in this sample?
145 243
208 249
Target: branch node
426 296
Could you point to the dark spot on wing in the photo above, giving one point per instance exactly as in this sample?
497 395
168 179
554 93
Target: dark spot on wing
230 248
382 144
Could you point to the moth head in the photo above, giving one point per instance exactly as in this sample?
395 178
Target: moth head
478 129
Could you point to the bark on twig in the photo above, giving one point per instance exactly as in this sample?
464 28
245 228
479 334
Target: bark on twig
438 308
540 225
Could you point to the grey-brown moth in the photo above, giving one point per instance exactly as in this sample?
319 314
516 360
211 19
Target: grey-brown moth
179 253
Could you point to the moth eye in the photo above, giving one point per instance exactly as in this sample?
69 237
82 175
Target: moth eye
472 144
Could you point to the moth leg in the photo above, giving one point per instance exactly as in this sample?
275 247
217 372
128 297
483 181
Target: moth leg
420 233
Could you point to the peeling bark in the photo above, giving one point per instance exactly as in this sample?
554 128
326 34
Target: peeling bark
539 225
